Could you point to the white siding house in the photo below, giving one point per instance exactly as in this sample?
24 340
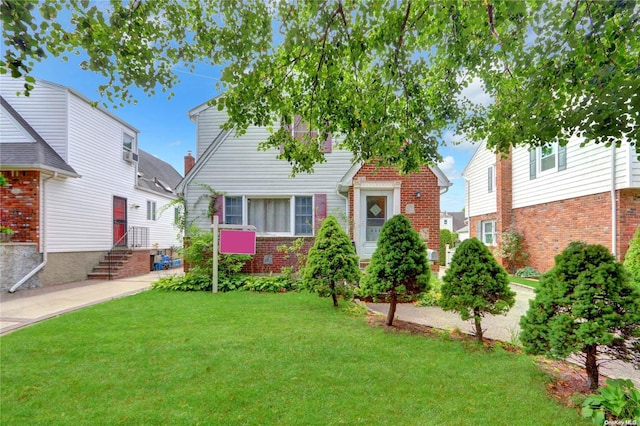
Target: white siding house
258 189
76 224
555 195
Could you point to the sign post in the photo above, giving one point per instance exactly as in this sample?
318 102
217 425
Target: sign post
233 239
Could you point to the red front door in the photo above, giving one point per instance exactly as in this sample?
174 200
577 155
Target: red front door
119 221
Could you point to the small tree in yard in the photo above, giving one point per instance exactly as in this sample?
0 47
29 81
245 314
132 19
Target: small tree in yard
332 264
587 305
632 258
398 266
475 284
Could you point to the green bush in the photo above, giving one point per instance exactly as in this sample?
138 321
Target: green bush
269 284
198 254
585 304
432 296
332 267
399 265
619 400
475 284
512 250
527 272
446 237
632 258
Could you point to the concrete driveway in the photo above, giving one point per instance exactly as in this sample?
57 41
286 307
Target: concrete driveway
505 328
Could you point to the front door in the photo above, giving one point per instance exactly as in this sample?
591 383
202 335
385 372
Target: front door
119 221
375 210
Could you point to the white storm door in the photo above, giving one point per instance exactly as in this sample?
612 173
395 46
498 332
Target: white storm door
376 208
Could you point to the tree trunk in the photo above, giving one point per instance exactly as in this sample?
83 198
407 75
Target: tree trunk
591 365
476 319
392 308
334 296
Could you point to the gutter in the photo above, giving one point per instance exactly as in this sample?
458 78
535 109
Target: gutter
614 203
44 245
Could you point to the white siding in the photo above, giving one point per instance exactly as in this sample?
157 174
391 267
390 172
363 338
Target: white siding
588 172
79 211
208 127
634 164
45 110
238 168
11 131
479 200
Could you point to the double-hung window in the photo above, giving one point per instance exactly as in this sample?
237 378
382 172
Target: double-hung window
547 158
487 232
151 210
290 215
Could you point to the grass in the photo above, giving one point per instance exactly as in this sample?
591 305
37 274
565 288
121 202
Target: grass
524 281
246 358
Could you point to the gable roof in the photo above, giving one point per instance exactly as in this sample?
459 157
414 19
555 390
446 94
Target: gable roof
157 175
457 219
480 147
35 154
222 136
347 179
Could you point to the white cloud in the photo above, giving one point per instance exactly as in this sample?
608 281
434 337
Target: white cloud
476 94
459 142
448 167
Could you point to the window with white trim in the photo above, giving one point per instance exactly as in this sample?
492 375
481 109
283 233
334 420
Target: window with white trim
151 210
128 142
487 232
547 159
491 178
292 215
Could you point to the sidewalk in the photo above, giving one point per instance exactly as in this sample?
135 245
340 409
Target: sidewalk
25 307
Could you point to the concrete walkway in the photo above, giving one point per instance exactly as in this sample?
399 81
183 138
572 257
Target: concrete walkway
505 328
25 307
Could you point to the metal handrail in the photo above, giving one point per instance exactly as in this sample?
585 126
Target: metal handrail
135 237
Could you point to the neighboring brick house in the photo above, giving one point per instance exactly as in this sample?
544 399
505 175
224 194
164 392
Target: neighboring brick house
77 186
555 195
259 190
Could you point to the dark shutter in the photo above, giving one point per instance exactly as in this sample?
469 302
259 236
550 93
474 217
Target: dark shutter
490 179
320 209
532 163
327 145
562 157
219 206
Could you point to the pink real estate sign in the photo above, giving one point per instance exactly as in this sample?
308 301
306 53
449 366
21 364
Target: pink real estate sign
237 242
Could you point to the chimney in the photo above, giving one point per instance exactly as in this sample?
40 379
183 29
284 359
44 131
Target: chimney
189 162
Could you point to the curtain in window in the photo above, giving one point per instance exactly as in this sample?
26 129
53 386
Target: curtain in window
269 215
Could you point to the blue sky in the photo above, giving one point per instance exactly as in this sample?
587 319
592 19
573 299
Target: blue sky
167 132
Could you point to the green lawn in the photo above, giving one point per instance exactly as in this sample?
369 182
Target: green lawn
524 281
247 358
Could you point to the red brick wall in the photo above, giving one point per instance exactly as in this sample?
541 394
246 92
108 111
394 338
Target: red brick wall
138 264
628 217
20 205
549 227
427 207
268 246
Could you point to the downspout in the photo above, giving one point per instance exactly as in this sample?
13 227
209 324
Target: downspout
614 205
44 245
346 207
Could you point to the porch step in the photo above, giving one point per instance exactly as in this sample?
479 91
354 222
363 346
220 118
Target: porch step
117 262
102 275
364 263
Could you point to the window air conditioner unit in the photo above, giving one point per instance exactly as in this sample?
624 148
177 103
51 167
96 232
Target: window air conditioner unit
130 156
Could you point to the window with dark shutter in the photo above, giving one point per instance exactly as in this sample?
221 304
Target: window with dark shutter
562 157
532 164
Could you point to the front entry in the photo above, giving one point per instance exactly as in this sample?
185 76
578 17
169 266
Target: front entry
375 210
119 221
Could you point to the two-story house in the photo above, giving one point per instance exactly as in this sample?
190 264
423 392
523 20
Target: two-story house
258 190
78 186
555 195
